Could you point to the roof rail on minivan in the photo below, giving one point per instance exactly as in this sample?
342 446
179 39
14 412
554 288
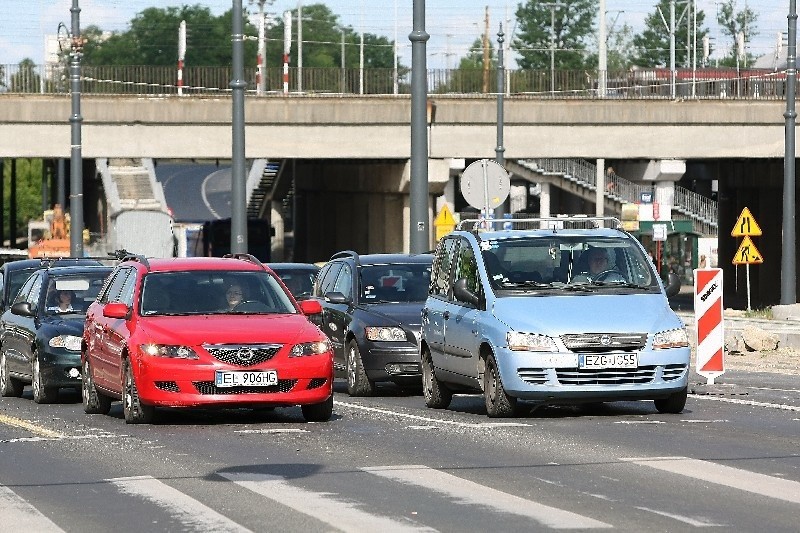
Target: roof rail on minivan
554 223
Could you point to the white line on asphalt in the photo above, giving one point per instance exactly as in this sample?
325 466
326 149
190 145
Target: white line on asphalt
466 492
781 406
276 430
192 514
62 437
338 514
432 420
19 515
685 519
640 422
772 487
772 389
704 421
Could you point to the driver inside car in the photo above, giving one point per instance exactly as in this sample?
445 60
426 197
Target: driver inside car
598 261
234 295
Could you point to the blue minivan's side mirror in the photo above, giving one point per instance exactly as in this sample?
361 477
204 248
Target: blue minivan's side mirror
463 294
673 285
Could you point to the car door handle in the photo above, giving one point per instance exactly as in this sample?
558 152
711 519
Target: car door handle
446 315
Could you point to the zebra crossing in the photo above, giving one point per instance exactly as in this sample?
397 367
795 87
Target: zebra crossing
339 511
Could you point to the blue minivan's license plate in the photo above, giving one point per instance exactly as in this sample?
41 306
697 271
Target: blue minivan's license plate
266 378
608 360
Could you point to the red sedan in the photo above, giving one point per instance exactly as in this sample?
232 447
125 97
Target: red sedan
203 332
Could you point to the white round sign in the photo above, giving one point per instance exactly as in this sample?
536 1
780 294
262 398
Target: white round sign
485 183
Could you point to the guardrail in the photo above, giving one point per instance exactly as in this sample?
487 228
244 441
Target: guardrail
637 84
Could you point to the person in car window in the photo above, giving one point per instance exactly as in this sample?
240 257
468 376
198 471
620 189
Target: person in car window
598 260
62 302
234 295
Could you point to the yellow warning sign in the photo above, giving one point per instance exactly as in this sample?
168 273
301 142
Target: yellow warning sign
746 225
747 254
444 223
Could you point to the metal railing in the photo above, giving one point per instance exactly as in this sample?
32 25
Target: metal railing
696 207
638 84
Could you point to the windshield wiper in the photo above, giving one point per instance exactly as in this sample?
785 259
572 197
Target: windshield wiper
581 287
525 284
623 284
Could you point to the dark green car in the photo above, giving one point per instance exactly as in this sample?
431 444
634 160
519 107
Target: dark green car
41 331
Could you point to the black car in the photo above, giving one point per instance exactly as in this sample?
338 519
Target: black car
372 308
41 332
14 273
298 277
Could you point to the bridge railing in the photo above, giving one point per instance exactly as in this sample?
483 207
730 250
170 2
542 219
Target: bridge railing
534 84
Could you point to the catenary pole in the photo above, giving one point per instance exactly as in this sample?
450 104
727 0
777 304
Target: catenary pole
238 177
789 259
75 120
419 233
499 150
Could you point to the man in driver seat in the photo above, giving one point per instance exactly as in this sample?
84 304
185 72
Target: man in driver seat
598 260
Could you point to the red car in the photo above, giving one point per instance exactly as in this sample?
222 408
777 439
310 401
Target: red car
202 332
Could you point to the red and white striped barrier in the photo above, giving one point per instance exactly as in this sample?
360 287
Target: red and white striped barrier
180 77
709 322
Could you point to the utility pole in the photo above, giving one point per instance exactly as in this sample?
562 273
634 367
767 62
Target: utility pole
552 6
181 54
261 80
788 259
499 150
602 47
287 46
238 176
486 55
419 231
299 46
75 119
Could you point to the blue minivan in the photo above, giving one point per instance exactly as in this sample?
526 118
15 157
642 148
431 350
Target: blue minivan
558 310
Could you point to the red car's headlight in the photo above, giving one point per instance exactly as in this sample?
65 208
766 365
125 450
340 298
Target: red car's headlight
310 348
167 350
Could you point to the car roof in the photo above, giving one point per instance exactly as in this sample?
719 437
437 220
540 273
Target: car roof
538 233
385 259
43 263
78 269
177 264
292 266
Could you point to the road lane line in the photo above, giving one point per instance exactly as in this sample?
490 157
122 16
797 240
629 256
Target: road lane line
19 515
192 514
30 426
746 402
762 484
432 420
466 492
336 513
680 518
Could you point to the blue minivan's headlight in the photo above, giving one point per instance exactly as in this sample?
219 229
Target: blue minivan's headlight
70 342
529 342
170 351
310 348
673 338
385 334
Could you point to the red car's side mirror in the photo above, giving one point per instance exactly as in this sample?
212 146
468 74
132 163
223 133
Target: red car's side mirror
310 307
116 310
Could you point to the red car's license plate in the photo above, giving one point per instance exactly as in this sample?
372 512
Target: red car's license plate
253 378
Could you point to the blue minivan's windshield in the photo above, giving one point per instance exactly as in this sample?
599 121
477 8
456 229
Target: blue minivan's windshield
213 292
567 261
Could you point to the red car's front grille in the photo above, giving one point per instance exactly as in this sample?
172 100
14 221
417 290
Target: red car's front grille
208 387
317 383
243 354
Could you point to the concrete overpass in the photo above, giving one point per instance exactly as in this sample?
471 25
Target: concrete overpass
349 154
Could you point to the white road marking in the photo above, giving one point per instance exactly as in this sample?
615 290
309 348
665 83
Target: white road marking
431 420
466 492
193 515
276 430
704 421
61 437
773 389
770 486
336 513
747 402
19 515
680 518
640 422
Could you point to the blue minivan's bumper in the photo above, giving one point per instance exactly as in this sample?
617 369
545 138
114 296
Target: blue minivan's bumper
556 378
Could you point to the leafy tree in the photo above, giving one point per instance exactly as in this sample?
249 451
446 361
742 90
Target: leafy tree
621 49
469 76
572 30
26 79
733 22
29 194
153 39
653 44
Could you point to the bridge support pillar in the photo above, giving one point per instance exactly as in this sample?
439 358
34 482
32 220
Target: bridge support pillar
544 200
277 248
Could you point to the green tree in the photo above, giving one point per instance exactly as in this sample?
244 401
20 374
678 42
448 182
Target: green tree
621 50
733 22
26 79
653 44
153 39
570 22
29 194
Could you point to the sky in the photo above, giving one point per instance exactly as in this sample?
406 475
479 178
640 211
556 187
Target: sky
453 25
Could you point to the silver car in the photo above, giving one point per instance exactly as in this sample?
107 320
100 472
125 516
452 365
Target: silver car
570 310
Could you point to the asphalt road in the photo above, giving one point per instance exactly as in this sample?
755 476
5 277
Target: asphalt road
731 460
196 192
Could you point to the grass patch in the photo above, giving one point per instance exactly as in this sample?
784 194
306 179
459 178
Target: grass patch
765 313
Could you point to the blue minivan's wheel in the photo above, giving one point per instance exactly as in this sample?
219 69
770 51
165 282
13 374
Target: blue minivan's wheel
672 404
498 403
437 395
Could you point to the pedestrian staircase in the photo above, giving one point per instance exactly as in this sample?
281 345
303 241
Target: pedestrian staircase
579 176
130 184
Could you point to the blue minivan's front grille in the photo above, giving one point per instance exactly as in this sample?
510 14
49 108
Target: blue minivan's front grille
673 372
533 376
607 376
593 342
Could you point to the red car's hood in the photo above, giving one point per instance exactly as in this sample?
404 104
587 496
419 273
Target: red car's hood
229 329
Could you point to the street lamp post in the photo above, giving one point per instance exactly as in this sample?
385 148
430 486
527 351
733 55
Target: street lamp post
75 119
238 177
499 150
419 231
788 259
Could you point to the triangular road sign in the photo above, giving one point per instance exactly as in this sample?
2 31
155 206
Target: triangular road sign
747 254
746 225
445 217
